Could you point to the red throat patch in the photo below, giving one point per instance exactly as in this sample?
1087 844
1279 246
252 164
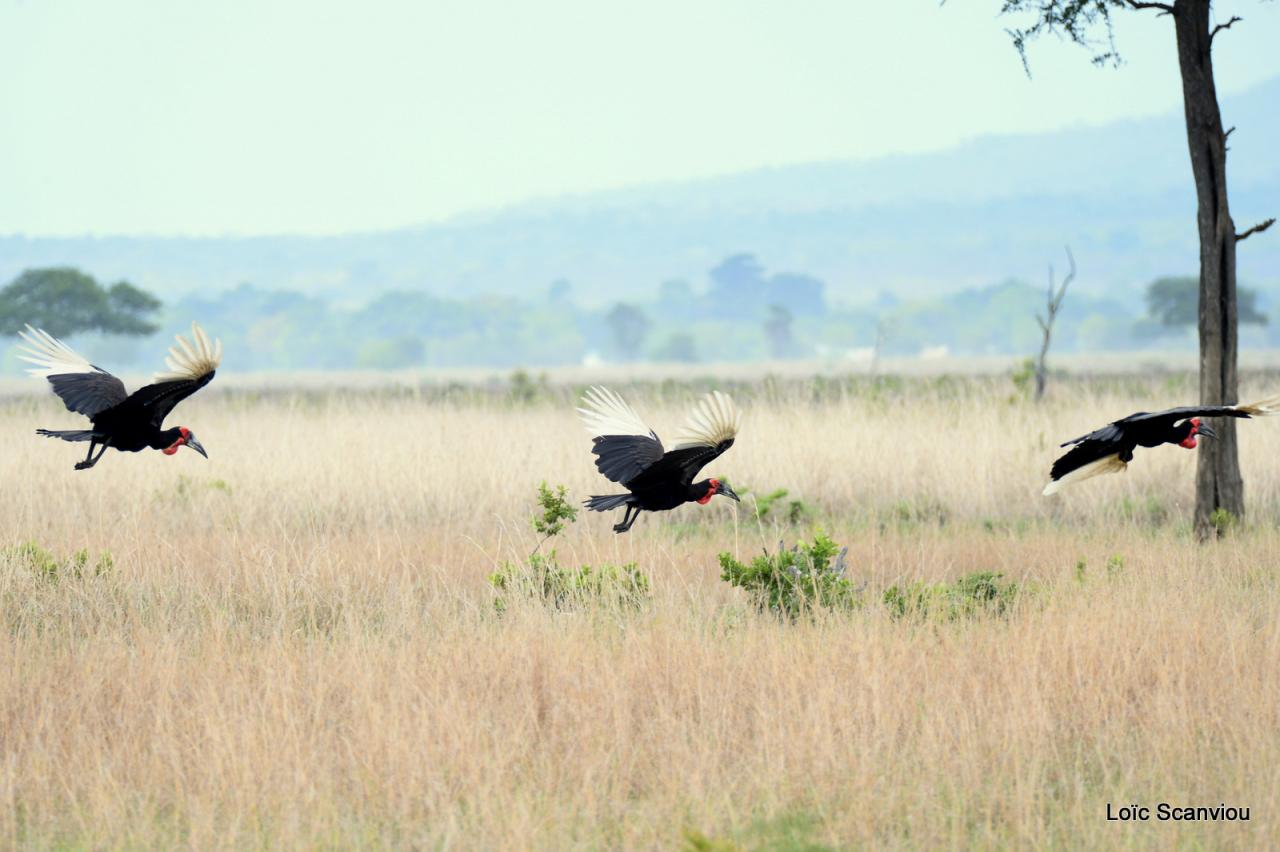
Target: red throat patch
173 448
712 486
1190 441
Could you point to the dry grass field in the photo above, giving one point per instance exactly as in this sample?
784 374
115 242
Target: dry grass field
294 644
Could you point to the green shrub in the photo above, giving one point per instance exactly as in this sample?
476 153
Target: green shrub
556 511
542 579
791 582
1023 377
525 389
1149 512
1223 521
545 580
980 593
45 565
795 512
924 511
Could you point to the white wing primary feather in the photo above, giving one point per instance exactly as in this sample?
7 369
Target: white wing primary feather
1265 408
50 355
606 413
1108 464
714 419
187 361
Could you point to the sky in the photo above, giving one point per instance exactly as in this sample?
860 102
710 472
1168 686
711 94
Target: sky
295 116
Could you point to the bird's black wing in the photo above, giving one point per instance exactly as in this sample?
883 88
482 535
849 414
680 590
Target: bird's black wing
1110 440
1173 415
83 387
88 393
622 458
192 365
159 399
682 464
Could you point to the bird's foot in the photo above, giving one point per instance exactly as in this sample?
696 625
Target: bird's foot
83 465
621 528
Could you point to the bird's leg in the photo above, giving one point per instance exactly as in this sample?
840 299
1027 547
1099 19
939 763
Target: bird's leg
90 460
627 519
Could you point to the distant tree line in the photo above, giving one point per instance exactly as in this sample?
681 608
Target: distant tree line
741 312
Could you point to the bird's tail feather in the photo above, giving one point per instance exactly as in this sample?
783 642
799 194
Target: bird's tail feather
606 502
67 435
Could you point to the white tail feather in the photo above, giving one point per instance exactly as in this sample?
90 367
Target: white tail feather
714 419
606 413
1108 464
186 361
50 355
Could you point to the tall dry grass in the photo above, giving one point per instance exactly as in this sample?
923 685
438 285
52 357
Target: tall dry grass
295 644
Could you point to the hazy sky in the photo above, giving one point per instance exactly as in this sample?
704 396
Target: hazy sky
270 116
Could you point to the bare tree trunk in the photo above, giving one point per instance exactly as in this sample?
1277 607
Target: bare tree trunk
1218 482
1053 304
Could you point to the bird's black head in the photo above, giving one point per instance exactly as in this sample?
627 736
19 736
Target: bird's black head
1185 434
706 489
182 437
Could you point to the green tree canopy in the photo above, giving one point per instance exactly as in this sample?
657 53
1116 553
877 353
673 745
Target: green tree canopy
65 301
1174 302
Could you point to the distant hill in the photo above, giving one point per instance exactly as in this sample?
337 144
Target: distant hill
918 225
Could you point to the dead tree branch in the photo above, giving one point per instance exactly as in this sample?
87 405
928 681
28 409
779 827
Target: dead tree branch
1164 8
1053 304
1256 229
1235 19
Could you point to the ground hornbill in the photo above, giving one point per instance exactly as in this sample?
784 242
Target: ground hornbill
128 422
630 453
1110 449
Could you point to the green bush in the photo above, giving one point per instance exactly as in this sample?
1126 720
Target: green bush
1223 521
795 512
1023 377
980 593
924 511
545 580
795 581
45 565
542 579
556 511
525 389
1147 512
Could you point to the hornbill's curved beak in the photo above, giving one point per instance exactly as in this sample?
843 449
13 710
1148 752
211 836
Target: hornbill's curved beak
1206 431
728 492
196 445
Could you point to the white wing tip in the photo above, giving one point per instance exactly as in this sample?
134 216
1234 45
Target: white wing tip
605 412
188 361
714 419
49 354
1263 408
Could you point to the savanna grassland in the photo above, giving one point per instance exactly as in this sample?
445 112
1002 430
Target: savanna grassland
295 644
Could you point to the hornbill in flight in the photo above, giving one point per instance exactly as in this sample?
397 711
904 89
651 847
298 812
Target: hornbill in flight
630 453
128 422
1110 449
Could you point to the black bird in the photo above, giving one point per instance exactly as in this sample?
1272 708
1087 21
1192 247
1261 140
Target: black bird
127 422
1110 449
630 453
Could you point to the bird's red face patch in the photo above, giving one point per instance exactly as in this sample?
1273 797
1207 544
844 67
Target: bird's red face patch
173 448
1190 441
713 485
